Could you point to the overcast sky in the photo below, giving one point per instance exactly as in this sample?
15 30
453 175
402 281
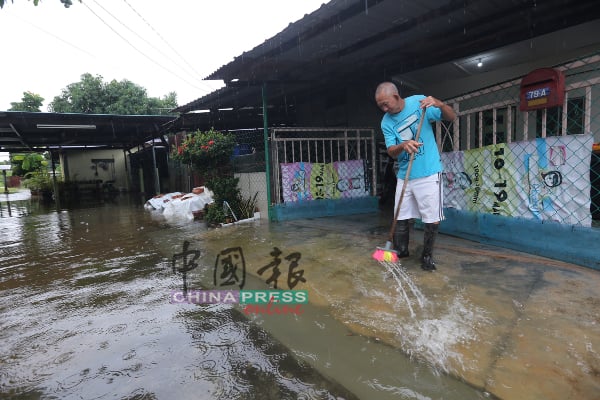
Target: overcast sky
163 46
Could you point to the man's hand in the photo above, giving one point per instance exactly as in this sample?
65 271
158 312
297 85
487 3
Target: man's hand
409 146
447 112
431 101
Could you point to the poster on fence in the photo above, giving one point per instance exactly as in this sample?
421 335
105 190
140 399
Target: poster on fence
544 179
341 179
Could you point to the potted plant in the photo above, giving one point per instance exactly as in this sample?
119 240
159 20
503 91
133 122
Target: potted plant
39 182
248 207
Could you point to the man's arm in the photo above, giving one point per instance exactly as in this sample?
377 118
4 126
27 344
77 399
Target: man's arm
394 151
448 113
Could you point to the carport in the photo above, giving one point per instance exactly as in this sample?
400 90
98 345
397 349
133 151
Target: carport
60 133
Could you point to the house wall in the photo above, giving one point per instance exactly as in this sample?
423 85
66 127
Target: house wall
492 115
496 91
353 105
251 183
84 166
488 109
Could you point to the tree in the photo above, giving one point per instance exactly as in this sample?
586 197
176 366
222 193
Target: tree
66 3
30 102
23 163
92 95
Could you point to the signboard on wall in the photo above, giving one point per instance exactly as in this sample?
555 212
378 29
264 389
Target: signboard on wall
546 179
313 181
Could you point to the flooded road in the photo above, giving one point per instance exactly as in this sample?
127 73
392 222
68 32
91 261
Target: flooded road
85 312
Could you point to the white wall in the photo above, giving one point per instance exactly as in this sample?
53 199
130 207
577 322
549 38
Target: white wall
249 184
81 167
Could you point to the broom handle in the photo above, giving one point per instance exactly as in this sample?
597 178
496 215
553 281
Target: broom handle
408 168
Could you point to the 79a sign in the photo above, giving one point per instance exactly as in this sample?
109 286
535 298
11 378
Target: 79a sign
537 93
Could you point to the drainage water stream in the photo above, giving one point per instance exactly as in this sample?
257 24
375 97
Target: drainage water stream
85 313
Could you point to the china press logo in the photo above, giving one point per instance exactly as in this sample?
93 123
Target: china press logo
230 271
269 302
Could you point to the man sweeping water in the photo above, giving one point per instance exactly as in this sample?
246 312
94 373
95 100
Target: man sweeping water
422 196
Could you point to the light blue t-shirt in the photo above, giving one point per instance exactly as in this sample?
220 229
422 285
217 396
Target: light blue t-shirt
403 126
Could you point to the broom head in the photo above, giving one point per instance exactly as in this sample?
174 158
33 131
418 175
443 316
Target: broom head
385 253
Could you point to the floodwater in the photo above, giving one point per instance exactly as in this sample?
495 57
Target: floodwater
85 312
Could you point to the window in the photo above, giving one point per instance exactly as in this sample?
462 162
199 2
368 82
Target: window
554 122
575 115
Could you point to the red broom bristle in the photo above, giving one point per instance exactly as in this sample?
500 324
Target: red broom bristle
385 255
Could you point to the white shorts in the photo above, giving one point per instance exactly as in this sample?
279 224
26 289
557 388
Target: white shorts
422 199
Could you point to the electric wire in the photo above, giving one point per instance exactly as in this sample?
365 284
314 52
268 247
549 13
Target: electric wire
141 37
138 50
192 69
54 36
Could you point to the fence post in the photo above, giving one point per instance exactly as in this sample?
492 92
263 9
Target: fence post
5 183
267 150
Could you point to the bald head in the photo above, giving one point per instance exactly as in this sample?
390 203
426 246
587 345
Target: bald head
386 89
388 99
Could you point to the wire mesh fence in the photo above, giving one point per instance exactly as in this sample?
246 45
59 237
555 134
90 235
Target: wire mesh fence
247 164
249 151
511 152
508 153
302 164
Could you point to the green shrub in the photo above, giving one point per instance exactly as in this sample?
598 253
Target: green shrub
247 207
40 180
214 214
224 188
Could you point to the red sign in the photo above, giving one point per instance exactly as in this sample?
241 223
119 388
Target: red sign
542 88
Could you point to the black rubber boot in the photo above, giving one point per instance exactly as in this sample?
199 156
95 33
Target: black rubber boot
401 236
428 242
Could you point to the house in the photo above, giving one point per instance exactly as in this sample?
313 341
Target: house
315 81
93 151
304 99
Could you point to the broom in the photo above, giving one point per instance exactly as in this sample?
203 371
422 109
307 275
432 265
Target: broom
387 253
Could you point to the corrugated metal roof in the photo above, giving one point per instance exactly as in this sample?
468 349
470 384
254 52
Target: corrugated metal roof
398 36
21 131
365 40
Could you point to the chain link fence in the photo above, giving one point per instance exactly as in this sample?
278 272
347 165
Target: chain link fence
304 164
500 156
511 152
247 164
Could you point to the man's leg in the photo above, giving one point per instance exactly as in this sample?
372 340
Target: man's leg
430 192
428 242
405 221
401 236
